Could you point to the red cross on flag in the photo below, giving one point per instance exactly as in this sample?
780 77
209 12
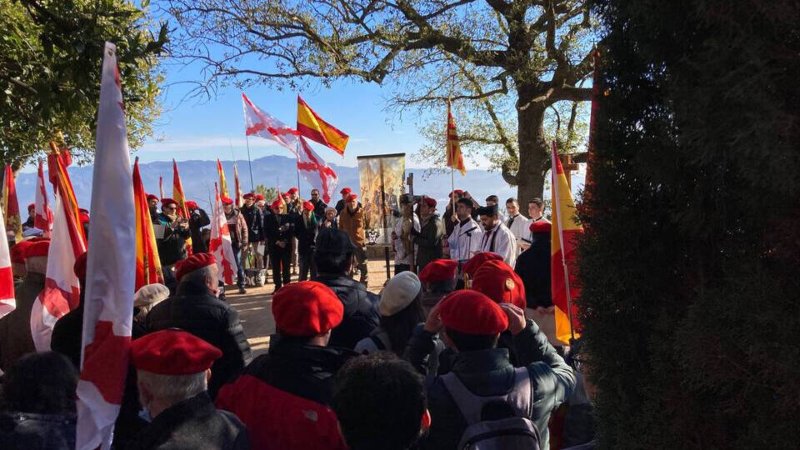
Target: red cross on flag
260 123
220 244
316 171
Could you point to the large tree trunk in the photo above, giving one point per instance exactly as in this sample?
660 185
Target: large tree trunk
533 149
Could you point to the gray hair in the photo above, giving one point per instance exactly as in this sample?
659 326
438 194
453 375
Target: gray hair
173 388
330 209
198 276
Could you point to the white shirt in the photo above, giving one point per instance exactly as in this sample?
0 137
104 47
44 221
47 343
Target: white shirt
465 240
519 228
500 240
400 256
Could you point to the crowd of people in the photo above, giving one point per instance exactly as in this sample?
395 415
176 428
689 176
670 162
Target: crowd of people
456 351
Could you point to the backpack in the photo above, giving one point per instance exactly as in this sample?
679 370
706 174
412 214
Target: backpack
507 433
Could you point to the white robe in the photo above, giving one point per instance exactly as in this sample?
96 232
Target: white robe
465 240
520 229
500 240
400 256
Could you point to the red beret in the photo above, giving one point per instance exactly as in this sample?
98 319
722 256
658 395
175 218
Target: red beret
191 204
345 191
18 250
276 204
80 266
227 201
83 216
31 206
292 190
151 197
458 192
173 352
431 202
285 194
192 263
36 248
308 206
540 226
259 197
438 270
352 197
498 281
168 201
474 263
471 312
307 308
248 196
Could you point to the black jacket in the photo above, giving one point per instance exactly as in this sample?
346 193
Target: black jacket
193 423
172 247
196 311
280 227
255 223
306 234
319 209
360 310
29 431
533 266
197 220
489 372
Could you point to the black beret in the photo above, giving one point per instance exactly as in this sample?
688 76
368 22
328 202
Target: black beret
490 210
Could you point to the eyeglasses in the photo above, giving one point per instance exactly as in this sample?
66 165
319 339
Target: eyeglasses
170 207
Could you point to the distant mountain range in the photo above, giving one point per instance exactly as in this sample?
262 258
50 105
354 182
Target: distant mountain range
198 179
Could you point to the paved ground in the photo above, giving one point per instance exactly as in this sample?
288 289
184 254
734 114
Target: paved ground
255 307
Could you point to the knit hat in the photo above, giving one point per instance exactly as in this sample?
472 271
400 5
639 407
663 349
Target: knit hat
173 352
398 293
150 294
306 309
471 312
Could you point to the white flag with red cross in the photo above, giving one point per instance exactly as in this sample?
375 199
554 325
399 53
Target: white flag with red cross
316 171
220 244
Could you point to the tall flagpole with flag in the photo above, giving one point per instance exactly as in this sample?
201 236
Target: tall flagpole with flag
110 282
148 265
238 200
223 183
563 254
43 215
220 244
10 203
177 191
312 126
454 158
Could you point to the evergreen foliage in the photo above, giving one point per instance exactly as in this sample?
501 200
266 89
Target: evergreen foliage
689 265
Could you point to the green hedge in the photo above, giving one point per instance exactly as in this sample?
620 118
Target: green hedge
691 260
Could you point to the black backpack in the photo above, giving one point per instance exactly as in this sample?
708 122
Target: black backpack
508 433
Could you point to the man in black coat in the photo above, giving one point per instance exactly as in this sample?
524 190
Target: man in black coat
196 309
172 244
533 266
280 236
172 372
198 218
254 219
306 232
333 254
319 205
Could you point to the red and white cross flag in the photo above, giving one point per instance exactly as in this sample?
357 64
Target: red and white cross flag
316 171
43 215
220 244
7 300
110 279
260 123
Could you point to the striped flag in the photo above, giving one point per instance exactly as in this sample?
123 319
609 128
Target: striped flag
7 299
220 244
563 254
43 215
177 191
148 265
110 282
61 292
223 184
454 158
10 203
311 125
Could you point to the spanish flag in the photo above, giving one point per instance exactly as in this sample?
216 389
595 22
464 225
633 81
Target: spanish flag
148 266
310 125
563 254
454 158
223 185
177 191
10 204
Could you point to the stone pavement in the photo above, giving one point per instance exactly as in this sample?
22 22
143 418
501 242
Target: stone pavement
255 307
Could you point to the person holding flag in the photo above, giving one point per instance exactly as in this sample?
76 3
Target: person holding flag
171 234
237 227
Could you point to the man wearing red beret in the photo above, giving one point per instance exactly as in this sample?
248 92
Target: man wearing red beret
283 396
343 201
305 229
173 369
29 222
198 218
254 218
470 324
171 238
533 266
15 327
237 226
438 279
279 228
352 221
431 234
196 309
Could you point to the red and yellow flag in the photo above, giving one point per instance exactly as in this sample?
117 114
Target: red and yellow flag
177 191
57 162
563 255
223 185
454 158
10 204
310 125
148 266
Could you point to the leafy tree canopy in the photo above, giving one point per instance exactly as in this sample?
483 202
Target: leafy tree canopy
50 57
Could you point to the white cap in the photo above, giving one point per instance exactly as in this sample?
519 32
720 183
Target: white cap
150 294
398 293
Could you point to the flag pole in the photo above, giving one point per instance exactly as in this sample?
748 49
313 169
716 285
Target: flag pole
249 163
560 221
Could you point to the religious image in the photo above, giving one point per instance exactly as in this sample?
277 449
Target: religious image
381 179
